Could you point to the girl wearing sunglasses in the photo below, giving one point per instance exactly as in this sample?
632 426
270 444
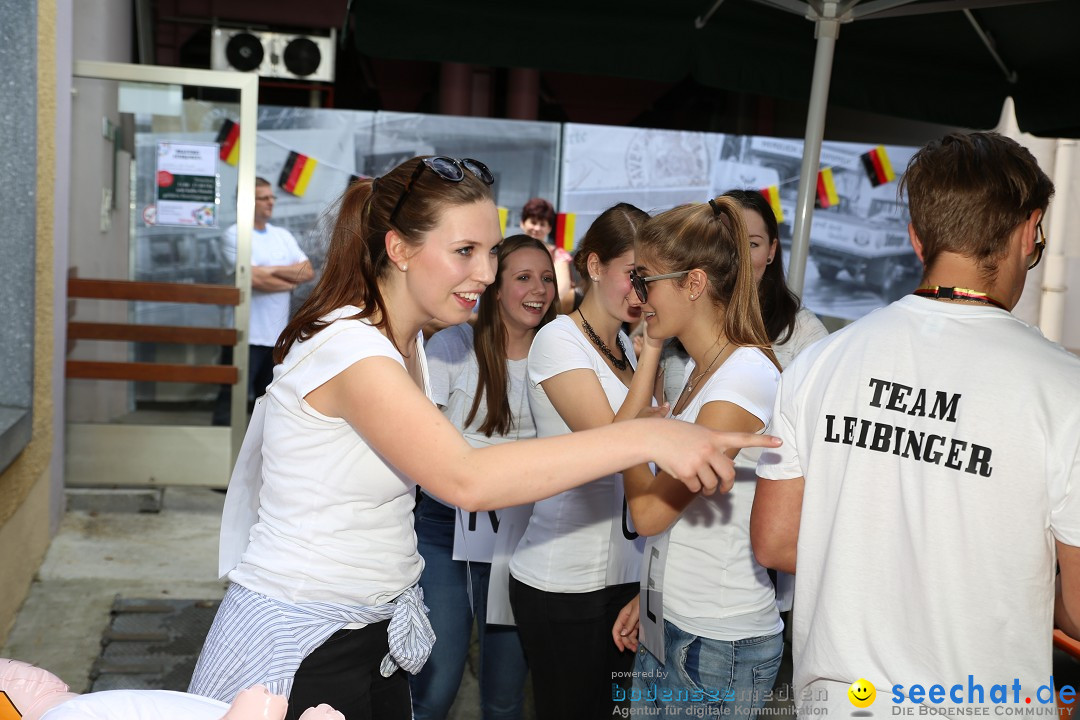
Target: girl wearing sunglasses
578 563
715 629
324 605
478 379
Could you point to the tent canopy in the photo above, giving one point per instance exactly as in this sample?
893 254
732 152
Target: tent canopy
919 59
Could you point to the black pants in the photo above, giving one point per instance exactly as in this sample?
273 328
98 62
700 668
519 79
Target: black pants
260 375
567 641
343 672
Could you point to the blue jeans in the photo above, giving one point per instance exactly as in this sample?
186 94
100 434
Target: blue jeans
727 678
502 668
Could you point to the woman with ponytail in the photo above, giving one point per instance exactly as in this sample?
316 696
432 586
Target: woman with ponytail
478 380
324 605
715 632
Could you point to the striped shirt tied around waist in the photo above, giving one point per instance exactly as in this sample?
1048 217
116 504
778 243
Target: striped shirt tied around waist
256 639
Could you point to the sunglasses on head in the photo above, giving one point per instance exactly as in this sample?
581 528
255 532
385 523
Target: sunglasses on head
641 284
449 169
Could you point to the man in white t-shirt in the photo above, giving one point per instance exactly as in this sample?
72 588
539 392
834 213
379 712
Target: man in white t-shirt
929 476
278 266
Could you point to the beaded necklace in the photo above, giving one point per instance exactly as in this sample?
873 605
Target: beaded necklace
620 365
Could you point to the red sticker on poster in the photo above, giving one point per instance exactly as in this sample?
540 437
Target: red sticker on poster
164 178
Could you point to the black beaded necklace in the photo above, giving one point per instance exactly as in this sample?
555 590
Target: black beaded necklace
620 365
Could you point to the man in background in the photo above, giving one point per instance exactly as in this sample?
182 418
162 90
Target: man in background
278 266
930 471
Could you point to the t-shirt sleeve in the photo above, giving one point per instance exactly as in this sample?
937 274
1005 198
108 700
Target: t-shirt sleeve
447 356
294 247
343 349
751 385
782 463
228 248
1065 505
556 350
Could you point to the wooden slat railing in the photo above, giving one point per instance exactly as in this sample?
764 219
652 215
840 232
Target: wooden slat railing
85 288
151 333
152 372
153 291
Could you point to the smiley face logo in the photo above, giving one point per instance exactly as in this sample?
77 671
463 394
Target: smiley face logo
862 693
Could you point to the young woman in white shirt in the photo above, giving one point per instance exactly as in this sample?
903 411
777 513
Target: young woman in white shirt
478 379
578 562
790 327
714 605
324 605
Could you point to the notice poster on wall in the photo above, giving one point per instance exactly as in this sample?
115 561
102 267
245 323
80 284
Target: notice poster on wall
187 191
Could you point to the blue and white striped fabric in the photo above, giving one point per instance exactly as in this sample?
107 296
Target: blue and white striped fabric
257 639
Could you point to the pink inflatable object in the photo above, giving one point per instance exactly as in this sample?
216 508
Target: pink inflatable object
37 694
32 690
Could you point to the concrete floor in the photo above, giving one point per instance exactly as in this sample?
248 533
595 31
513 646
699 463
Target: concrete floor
100 554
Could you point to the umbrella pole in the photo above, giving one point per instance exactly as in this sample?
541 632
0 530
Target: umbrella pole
827 30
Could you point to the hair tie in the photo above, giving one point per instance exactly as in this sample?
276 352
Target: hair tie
374 185
715 207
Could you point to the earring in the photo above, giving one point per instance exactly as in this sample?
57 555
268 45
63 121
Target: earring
595 279
769 261
404 267
693 297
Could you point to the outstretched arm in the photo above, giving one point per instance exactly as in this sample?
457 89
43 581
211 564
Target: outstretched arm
657 501
379 399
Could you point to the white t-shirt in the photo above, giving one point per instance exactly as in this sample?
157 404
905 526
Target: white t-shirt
939 443
454 375
269 310
807 331
567 545
335 519
713 587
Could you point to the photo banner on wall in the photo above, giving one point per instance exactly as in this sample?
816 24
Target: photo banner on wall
860 256
187 192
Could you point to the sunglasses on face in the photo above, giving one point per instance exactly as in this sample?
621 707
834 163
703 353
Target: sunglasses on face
449 169
641 284
1040 246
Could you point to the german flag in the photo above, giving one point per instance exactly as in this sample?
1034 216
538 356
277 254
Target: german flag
504 214
297 173
878 166
772 194
228 142
826 189
564 231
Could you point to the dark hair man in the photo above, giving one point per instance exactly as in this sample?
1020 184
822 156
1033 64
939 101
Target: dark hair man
930 476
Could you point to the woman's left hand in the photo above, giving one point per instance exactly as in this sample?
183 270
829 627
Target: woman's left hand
625 630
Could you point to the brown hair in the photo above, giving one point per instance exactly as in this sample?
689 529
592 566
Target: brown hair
967 193
357 259
696 236
539 209
779 305
262 182
610 235
489 343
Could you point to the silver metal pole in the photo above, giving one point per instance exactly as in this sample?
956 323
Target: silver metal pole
827 30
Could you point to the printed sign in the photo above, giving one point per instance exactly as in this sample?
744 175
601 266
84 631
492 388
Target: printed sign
187 184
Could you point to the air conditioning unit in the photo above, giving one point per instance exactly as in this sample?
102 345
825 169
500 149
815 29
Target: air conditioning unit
274 54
